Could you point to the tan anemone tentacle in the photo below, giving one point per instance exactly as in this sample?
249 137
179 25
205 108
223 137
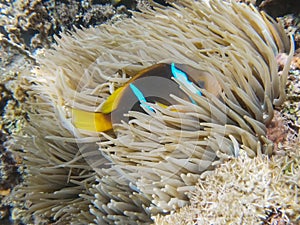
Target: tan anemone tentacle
145 166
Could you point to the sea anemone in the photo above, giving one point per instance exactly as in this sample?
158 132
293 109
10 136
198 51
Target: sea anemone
147 165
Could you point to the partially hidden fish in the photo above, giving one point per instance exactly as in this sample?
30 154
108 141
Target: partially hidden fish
154 84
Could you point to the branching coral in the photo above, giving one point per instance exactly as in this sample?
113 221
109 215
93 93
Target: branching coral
25 21
243 191
159 154
31 24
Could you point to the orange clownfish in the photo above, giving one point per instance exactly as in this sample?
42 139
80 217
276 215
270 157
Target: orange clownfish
153 84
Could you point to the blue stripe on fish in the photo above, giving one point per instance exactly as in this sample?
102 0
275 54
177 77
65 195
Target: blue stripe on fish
140 96
182 77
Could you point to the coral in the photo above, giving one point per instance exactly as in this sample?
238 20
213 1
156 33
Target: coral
22 20
98 13
291 106
149 165
280 131
12 96
12 120
5 97
9 175
292 25
28 25
245 191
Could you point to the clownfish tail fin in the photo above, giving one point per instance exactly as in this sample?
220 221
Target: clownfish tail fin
91 121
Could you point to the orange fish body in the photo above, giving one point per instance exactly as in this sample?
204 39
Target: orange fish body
154 84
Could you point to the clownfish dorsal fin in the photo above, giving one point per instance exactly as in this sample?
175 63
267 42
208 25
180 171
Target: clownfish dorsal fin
91 121
113 101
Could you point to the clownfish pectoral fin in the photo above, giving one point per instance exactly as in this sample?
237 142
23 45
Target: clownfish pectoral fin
165 106
161 105
91 121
